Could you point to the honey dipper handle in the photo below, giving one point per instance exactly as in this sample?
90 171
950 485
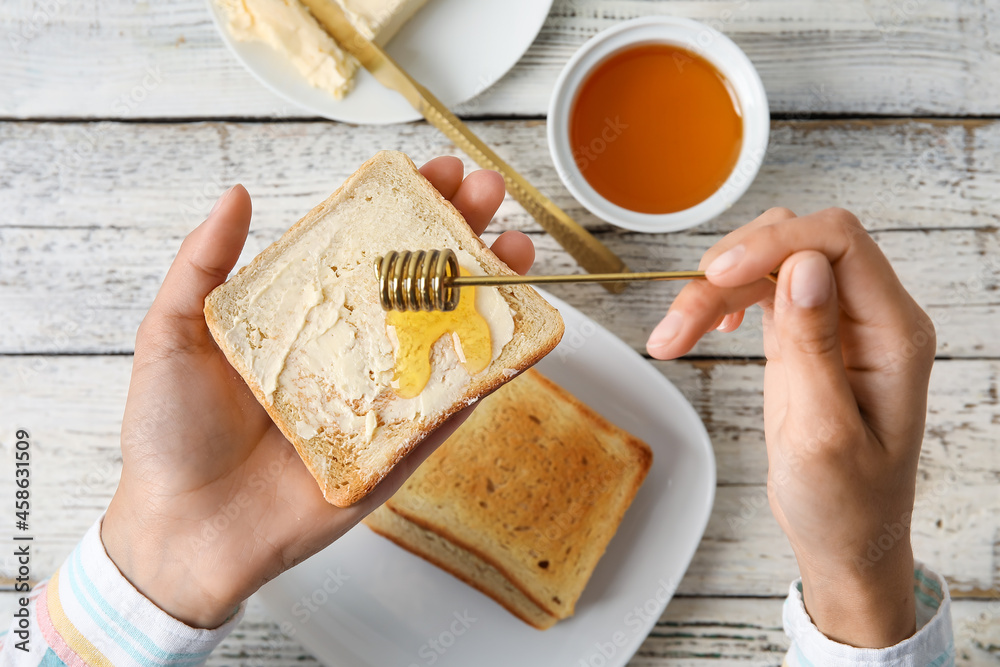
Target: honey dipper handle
591 254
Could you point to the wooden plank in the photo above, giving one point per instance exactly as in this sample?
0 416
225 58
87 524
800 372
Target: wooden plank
93 214
166 60
85 291
73 405
692 632
896 174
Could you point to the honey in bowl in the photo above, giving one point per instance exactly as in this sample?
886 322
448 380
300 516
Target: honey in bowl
656 129
417 331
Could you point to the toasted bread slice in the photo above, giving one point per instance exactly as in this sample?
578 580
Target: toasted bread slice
526 494
303 325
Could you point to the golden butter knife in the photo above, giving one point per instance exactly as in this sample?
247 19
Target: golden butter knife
591 254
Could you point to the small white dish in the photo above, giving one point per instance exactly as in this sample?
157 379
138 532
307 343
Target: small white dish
711 45
364 602
456 48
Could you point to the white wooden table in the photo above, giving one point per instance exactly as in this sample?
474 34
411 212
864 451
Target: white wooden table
121 121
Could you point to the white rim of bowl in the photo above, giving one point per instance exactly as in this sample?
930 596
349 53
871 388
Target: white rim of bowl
706 42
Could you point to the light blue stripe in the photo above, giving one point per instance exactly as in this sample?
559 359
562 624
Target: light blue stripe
800 657
134 632
929 583
925 599
946 658
50 659
111 631
165 657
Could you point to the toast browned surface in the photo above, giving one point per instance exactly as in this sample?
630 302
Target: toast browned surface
533 485
303 326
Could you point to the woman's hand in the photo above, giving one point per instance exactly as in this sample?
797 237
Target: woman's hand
849 355
213 501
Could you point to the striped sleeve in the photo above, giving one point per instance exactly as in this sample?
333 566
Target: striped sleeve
88 614
933 645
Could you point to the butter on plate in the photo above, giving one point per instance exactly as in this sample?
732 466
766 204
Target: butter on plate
289 28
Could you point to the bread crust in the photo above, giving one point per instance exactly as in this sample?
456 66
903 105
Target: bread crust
372 522
344 482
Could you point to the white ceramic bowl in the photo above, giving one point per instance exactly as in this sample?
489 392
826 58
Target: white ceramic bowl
711 45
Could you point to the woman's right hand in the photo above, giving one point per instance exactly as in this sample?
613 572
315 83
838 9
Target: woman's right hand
849 356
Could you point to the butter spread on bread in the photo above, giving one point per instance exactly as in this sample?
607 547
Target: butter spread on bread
289 28
303 325
522 501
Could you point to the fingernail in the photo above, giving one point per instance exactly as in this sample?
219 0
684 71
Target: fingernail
666 331
811 282
222 198
726 260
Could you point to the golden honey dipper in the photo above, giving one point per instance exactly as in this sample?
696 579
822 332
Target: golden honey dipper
429 280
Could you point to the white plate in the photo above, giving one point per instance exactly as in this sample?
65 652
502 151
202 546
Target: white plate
366 602
456 48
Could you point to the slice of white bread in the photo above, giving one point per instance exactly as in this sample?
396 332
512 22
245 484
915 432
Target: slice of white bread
522 501
303 325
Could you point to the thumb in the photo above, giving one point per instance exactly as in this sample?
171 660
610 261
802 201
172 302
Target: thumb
806 323
203 262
